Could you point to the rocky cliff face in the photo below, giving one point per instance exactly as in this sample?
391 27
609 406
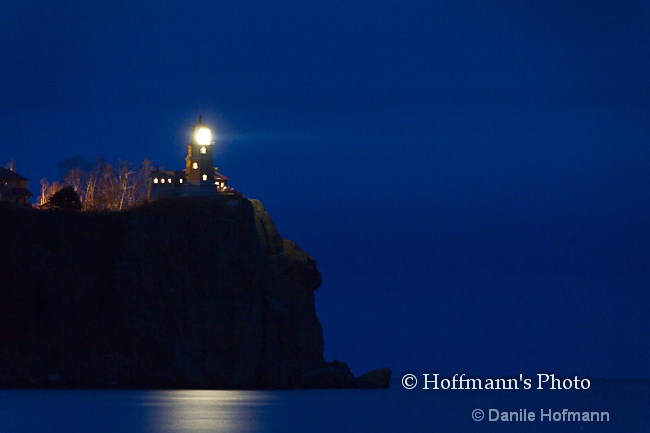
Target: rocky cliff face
192 293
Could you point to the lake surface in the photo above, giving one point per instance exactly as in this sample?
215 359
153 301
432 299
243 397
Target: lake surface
394 410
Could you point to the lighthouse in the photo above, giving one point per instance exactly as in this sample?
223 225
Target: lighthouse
200 176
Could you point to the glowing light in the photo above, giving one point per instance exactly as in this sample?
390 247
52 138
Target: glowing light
155 180
205 177
162 180
180 180
206 411
195 165
203 136
204 150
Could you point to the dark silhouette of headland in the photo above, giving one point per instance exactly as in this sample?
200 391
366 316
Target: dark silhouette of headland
193 289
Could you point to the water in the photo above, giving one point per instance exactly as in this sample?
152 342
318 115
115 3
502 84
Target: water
394 410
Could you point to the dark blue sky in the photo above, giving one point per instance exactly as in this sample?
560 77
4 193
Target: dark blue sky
472 177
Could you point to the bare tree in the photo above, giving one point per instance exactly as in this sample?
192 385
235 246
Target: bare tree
125 181
102 186
75 179
44 187
90 186
49 189
143 182
110 188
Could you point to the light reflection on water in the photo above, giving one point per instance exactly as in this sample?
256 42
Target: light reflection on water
205 411
90 411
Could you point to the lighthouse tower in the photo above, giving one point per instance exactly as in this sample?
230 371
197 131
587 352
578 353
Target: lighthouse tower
200 176
199 164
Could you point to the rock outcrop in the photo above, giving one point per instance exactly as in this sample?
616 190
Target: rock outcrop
379 378
185 293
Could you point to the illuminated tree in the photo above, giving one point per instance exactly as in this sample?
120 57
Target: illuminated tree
48 189
102 186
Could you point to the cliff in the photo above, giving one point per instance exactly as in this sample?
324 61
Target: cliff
185 293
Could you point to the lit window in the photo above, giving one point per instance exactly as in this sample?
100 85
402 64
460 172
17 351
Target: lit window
195 165
169 180
205 177
203 150
155 180
162 180
180 180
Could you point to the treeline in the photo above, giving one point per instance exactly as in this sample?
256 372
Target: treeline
101 185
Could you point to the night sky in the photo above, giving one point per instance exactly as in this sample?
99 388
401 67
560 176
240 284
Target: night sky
472 177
